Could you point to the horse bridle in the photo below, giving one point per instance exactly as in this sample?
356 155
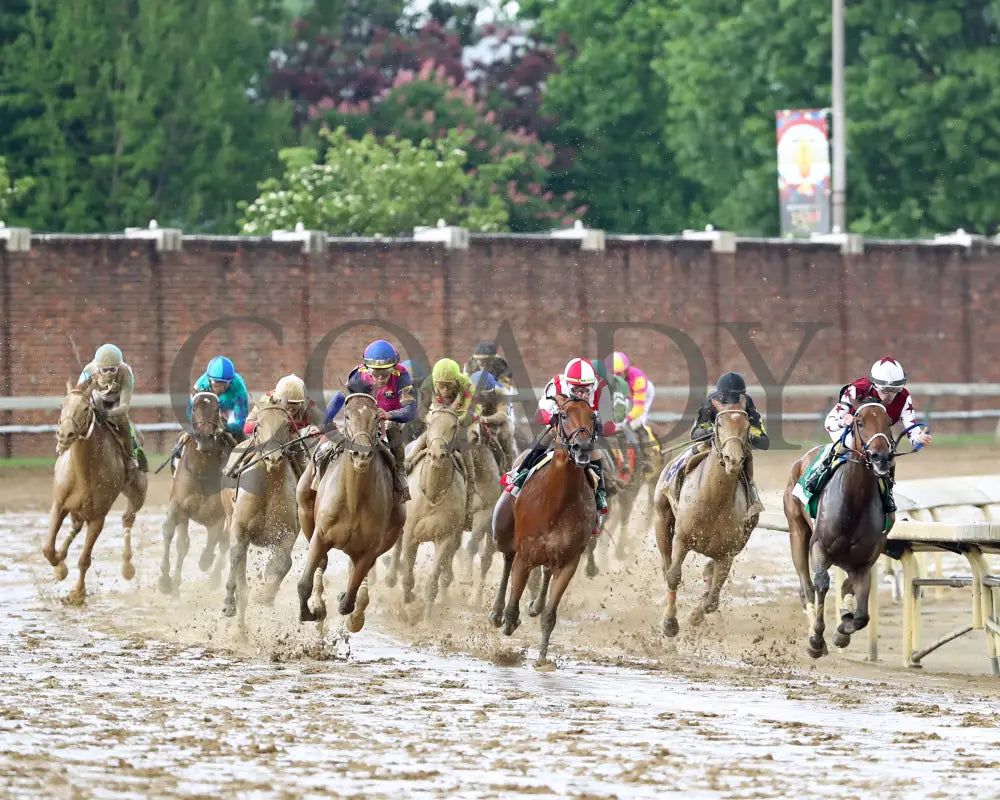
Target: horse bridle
451 446
744 439
259 445
865 453
566 439
353 443
76 429
454 435
219 427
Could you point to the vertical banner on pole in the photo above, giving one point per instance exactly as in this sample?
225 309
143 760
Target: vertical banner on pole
803 172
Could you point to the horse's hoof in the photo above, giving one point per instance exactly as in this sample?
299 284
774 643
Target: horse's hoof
817 650
229 610
355 622
841 639
61 570
545 666
344 604
533 610
408 597
264 598
128 570
205 562
510 624
306 615
76 597
165 585
670 627
496 618
591 570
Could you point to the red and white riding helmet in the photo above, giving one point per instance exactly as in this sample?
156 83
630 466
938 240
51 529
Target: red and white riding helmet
580 372
887 373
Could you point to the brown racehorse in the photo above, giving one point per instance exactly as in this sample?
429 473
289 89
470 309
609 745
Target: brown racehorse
849 528
710 517
195 492
549 524
261 511
353 510
89 476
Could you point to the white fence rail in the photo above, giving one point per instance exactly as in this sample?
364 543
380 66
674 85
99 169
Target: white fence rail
825 392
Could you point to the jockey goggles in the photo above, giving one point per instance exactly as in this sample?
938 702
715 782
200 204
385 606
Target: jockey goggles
107 370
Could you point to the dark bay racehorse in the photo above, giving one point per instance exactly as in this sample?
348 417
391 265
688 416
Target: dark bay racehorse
195 492
549 524
849 530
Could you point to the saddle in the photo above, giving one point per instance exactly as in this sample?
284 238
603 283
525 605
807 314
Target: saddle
328 452
678 471
810 500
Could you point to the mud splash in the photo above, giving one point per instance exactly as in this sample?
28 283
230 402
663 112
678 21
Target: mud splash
141 694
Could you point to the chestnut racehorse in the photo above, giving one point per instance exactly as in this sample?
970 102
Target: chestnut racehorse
550 522
849 530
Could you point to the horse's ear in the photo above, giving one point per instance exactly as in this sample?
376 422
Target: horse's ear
717 404
69 386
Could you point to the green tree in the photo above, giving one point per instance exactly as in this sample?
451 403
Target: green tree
612 105
133 110
11 191
367 187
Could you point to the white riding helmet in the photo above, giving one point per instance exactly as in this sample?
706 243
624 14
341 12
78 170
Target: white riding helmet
887 373
290 389
580 372
107 355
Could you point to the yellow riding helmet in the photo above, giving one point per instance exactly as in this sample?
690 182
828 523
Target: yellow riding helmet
108 355
446 371
290 389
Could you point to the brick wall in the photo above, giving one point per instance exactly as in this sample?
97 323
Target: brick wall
932 307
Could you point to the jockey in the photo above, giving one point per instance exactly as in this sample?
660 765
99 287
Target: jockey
290 394
418 374
490 404
641 392
222 379
448 387
618 389
485 358
884 385
392 387
577 381
731 388
112 382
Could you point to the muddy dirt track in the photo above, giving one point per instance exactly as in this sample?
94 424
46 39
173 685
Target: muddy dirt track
141 694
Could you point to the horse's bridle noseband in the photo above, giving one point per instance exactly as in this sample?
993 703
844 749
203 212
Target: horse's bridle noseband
353 443
744 440
865 452
76 430
566 439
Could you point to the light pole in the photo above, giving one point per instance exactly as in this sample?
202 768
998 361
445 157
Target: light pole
838 136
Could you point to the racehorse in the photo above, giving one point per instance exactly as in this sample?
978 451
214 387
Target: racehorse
549 524
353 510
437 508
261 510
89 475
709 517
486 457
195 492
849 530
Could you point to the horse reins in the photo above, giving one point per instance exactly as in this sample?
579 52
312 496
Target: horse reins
566 439
742 439
865 453
450 445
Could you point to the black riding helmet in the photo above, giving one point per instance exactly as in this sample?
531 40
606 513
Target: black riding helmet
731 387
485 350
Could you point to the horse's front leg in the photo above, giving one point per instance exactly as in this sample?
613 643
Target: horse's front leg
821 580
861 581
56 517
237 564
536 606
496 615
519 580
165 584
359 571
316 561
560 581
79 592
678 552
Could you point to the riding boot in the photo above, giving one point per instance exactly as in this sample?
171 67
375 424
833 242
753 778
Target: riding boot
755 506
601 493
818 479
512 481
888 501
506 439
470 486
237 458
394 438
